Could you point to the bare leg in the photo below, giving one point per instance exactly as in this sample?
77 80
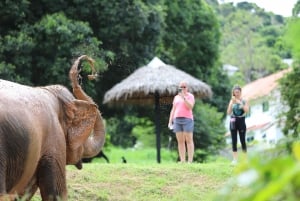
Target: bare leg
235 155
181 146
234 146
190 146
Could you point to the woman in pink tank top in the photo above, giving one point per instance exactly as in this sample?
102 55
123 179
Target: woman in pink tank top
182 121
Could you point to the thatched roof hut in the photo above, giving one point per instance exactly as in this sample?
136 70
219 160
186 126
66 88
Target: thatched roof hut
154 78
153 84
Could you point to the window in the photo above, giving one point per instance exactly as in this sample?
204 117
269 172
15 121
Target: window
265 106
250 138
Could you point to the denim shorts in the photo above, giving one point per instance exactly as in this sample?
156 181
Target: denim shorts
182 124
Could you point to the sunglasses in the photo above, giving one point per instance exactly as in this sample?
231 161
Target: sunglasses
183 87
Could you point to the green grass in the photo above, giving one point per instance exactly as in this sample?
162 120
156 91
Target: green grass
140 182
138 156
142 179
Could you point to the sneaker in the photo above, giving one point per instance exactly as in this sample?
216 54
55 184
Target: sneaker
234 162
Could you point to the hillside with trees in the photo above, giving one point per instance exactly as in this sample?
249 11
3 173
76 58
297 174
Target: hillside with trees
252 40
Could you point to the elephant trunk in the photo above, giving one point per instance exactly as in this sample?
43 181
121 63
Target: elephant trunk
94 142
74 75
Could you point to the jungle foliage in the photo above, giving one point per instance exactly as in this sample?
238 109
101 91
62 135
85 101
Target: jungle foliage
290 84
269 176
251 40
39 40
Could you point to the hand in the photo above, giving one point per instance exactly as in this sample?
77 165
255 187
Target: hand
170 126
238 101
182 95
233 99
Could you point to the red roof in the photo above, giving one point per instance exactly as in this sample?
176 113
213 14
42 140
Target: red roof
263 86
259 126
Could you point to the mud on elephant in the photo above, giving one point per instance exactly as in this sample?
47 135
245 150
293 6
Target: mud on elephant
43 129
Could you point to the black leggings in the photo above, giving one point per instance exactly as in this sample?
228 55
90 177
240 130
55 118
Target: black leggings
238 127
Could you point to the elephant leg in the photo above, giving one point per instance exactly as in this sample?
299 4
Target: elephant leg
3 193
30 191
52 179
8 197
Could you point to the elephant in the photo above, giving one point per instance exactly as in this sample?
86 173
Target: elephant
43 129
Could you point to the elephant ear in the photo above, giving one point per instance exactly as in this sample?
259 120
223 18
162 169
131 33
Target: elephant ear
81 121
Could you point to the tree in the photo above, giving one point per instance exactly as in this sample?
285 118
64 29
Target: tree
190 41
251 40
242 45
57 39
209 130
12 14
129 29
290 84
296 9
191 38
40 38
14 54
42 53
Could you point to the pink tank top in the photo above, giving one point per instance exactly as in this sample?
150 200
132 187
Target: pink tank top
181 110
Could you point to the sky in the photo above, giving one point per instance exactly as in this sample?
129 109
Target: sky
281 7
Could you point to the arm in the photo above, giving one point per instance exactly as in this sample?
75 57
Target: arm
245 106
229 108
188 103
171 115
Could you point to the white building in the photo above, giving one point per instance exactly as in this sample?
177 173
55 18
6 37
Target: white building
230 69
263 122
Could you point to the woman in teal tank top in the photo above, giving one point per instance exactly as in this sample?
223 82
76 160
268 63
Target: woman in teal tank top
237 109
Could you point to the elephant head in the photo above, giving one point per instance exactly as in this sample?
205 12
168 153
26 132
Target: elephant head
91 140
41 130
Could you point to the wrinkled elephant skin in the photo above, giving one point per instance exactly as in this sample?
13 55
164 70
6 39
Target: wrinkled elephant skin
42 129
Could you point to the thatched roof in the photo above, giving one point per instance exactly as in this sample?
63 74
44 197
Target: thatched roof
154 78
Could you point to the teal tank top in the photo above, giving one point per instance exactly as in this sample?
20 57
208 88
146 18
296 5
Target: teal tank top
237 110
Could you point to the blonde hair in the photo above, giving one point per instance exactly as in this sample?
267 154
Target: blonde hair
183 82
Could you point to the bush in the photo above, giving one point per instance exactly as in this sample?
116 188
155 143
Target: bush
271 176
200 155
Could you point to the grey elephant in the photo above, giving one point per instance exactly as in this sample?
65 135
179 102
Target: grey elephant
43 129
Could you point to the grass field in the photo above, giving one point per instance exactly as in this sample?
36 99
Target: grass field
142 179
164 182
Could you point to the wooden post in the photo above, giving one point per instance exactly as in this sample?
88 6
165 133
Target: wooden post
157 125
